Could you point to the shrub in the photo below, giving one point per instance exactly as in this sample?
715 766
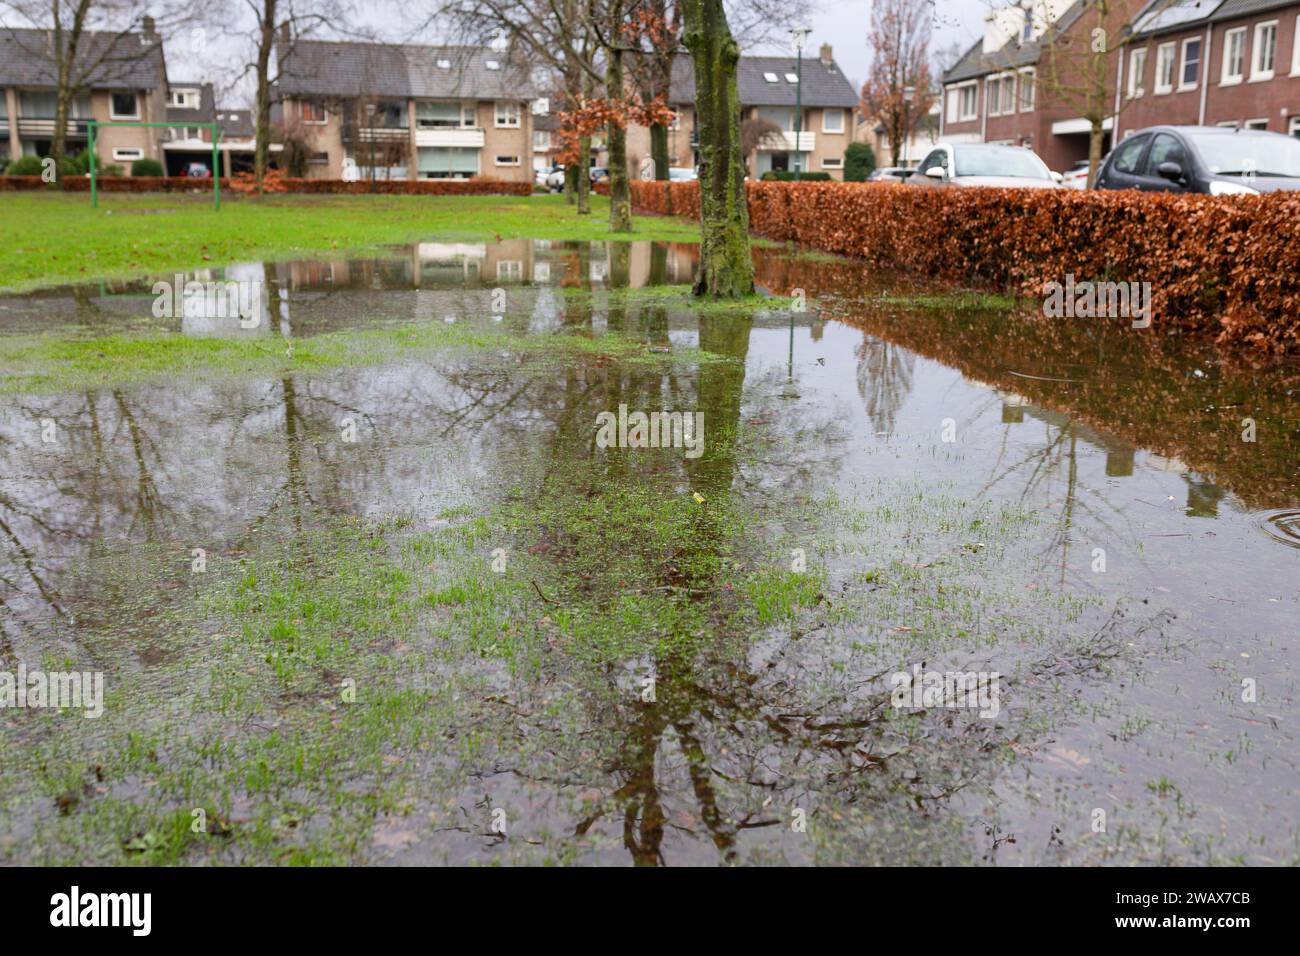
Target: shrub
859 161
25 166
1224 266
147 167
786 176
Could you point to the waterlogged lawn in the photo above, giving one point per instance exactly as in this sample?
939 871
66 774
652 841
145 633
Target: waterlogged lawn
44 363
56 237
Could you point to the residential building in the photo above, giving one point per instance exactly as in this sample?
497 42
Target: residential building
395 111
120 78
768 90
183 145
924 135
1213 63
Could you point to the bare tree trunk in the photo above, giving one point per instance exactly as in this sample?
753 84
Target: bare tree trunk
726 268
571 183
1095 135
262 119
584 175
620 194
659 150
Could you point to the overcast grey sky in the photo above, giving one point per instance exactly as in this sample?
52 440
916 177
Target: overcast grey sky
842 23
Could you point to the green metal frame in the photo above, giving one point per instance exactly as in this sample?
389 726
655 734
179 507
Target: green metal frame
93 125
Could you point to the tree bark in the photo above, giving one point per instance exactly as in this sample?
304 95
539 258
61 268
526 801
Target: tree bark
620 194
262 119
659 151
584 175
726 268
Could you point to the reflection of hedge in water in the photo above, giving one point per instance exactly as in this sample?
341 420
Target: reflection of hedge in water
1169 396
1222 266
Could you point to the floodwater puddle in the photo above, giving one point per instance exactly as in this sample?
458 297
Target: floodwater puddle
410 609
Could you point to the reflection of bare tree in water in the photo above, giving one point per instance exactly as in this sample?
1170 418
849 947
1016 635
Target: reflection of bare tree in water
884 379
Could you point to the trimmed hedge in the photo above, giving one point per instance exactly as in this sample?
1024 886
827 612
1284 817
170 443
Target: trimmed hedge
175 184
1222 266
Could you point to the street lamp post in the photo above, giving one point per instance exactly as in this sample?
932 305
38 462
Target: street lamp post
797 37
370 119
909 92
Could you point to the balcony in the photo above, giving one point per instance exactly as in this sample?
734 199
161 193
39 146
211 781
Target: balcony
464 137
784 142
38 127
377 134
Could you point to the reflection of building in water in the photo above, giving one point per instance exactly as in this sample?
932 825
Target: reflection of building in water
1203 498
234 305
1013 407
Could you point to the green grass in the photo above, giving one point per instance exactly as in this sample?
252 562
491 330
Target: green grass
51 362
56 237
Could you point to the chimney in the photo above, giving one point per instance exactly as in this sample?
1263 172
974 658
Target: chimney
826 54
149 27
286 33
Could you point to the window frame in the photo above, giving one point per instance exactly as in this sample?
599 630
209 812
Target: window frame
1032 85
837 110
496 160
503 122
1183 85
304 105
832 162
1258 75
1295 47
1133 89
119 150
112 105
1171 48
1232 79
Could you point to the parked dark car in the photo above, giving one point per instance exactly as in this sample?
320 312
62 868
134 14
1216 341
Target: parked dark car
1221 161
198 171
599 174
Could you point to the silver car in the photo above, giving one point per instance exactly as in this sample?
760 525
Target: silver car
983 164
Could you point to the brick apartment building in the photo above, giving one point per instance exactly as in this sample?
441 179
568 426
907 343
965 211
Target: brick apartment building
1226 63
1169 62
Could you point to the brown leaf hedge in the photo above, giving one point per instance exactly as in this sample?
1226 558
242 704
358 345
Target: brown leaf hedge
1225 266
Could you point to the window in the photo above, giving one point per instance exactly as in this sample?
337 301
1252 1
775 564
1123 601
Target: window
1165 67
184 99
311 112
969 102
444 64
438 115
1228 124
1027 78
1256 124
1165 149
124 106
1295 126
836 163
1265 52
1295 48
1128 154
493 64
1191 71
1027 27
771 78
448 162
541 140
507 160
507 115
1000 92
832 121
1137 67
128 154
319 159
792 77
1234 56
511 270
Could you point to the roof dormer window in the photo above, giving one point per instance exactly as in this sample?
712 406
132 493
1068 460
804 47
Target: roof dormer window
791 78
771 78
493 64
444 64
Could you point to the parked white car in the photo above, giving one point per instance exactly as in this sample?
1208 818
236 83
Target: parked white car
1076 177
983 164
682 174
